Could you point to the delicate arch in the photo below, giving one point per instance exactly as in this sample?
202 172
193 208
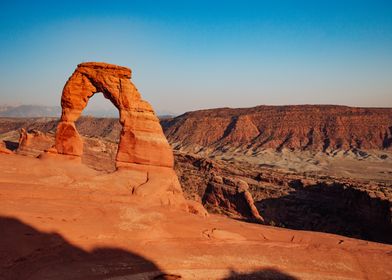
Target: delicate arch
141 141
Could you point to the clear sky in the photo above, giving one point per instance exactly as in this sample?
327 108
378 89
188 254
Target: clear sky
188 55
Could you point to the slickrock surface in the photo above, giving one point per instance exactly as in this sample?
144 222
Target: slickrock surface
336 191
62 220
351 207
248 131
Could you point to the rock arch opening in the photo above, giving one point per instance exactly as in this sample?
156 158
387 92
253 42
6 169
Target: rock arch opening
100 129
99 106
142 141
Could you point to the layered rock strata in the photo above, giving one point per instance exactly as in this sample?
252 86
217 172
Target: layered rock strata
249 131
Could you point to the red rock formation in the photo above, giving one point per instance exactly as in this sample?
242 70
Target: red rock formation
142 140
295 200
231 196
305 127
144 158
32 143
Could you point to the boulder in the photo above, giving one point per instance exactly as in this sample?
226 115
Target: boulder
232 197
32 143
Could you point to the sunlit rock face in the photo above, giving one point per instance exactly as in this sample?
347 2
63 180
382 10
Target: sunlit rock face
144 159
141 141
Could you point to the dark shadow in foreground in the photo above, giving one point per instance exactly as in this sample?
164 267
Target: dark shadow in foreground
27 253
10 145
334 208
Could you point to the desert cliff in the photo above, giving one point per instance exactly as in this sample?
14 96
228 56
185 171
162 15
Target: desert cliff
324 128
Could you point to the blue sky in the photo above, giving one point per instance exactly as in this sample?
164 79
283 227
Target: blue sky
188 55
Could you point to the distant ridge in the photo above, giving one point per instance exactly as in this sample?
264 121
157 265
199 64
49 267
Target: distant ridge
36 111
249 131
29 111
325 128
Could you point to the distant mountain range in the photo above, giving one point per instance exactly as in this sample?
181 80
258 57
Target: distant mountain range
26 111
33 111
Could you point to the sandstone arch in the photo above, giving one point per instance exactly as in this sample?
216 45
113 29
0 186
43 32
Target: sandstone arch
141 141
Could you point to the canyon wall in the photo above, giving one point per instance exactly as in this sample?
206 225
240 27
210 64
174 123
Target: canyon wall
324 128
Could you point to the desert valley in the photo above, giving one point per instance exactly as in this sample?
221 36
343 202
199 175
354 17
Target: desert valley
269 192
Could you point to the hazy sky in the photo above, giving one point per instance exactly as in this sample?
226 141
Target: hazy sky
188 55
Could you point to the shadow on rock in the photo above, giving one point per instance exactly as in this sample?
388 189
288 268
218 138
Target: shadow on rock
333 208
27 253
10 145
264 274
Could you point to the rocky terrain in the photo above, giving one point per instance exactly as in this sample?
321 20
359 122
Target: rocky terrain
85 198
350 207
63 220
313 167
347 194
